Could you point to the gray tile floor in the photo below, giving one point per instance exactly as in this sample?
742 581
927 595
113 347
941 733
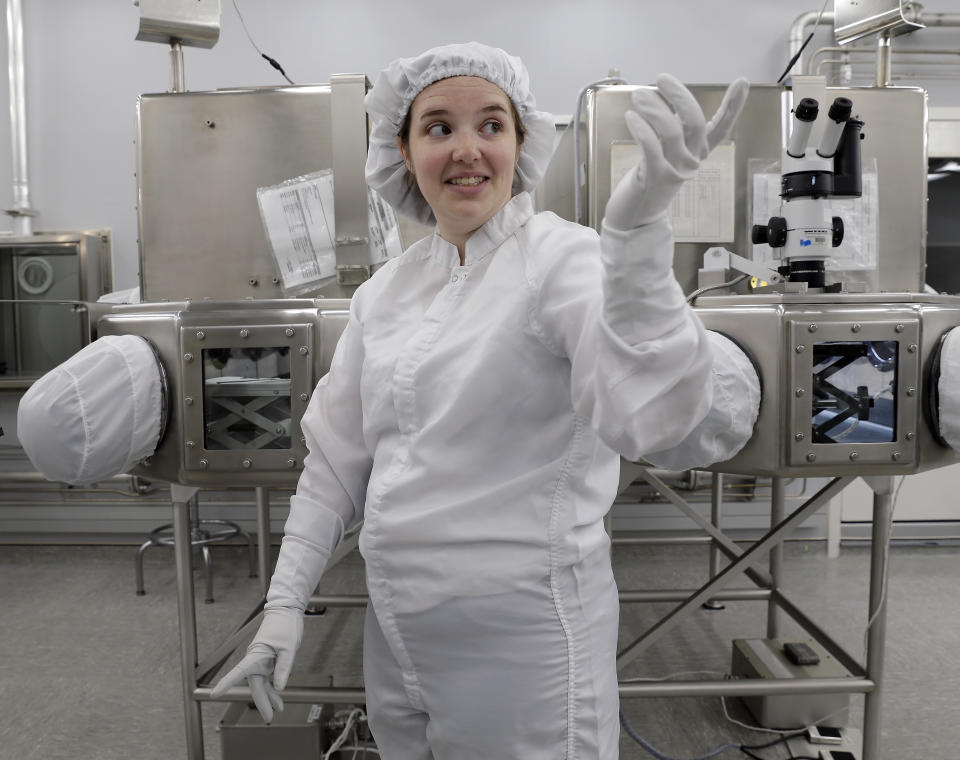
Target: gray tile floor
90 670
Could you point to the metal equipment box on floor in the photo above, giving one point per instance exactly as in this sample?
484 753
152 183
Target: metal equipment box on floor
295 733
764 658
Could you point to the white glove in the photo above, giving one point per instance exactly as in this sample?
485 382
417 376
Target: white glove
674 136
299 568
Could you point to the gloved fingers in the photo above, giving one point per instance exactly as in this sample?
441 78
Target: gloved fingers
689 113
281 671
667 128
276 700
649 142
720 126
234 678
261 698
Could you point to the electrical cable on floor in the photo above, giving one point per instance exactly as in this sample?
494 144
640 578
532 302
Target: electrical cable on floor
359 748
263 55
782 740
354 716
660 755
760 729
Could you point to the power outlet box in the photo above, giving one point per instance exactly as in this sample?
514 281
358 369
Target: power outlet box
764 658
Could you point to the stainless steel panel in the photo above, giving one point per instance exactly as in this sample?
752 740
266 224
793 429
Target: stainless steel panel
195 23
47 334
895 136
44 279
349 160
180 332
854 19
555 191
200 159
894 326
771 327
209 409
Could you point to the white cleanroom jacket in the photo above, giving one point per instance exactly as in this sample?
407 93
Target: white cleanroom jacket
474 415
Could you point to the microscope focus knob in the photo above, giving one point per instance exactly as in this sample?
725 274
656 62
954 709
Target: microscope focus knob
777 232
837 231
774 233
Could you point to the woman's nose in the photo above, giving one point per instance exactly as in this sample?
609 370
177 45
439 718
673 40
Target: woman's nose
466 148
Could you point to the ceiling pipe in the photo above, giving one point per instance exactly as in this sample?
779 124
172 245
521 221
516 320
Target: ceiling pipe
21 212
799 32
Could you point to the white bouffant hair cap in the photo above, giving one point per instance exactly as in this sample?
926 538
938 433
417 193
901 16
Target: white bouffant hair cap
399 84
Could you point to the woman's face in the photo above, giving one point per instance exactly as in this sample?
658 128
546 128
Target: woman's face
462 150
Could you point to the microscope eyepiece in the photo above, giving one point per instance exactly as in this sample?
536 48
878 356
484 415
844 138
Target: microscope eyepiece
807 109
841 109
805 113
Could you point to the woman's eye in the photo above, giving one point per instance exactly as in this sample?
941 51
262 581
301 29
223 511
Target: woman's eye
438 130
491 127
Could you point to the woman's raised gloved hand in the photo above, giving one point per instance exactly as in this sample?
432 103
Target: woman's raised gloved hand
674 136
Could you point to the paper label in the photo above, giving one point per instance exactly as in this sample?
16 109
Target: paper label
703 209
298 218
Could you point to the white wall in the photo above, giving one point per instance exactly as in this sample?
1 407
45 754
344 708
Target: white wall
85 70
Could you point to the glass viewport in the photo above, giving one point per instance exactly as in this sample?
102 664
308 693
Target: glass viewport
854 392
246 398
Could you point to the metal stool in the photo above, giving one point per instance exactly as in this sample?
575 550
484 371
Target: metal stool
199 536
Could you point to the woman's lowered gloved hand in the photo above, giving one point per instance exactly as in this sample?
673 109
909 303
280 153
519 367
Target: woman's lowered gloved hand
674 136
271 652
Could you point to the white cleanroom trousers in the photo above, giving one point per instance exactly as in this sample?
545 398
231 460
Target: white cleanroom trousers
528 674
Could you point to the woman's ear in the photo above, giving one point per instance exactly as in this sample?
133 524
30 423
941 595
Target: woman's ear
406 157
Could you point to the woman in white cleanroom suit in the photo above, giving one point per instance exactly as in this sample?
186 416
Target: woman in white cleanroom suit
475 411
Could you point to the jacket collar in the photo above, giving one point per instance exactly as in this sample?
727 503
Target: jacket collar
492 234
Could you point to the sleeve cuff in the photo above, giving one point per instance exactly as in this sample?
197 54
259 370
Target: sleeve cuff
313 523
641 297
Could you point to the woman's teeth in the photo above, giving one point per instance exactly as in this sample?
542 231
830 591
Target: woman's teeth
466 180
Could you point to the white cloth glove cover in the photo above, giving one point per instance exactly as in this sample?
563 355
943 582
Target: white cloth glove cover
96 415
729 423
674 137
948 389
299 567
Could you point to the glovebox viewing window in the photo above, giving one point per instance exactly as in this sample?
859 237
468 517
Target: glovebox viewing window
854 392
246 398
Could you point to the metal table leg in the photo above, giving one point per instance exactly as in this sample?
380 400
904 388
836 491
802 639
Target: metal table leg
876 636
777 511
181 497
263 537
716 509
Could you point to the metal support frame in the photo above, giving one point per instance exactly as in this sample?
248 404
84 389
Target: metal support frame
866 679
197 676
